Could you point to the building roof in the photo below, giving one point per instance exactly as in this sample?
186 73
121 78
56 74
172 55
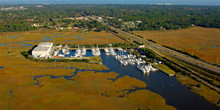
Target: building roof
45 44
41 49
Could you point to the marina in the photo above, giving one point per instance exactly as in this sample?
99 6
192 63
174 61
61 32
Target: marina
122 56
49 51
125 59
169 88
127 64
174 92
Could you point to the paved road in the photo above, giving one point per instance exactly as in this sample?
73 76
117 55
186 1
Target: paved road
173 53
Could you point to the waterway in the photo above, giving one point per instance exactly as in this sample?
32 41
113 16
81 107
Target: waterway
72 53
169 88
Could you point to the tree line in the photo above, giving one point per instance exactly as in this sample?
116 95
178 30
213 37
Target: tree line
152 17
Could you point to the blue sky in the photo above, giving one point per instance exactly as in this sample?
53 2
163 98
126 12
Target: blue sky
179 2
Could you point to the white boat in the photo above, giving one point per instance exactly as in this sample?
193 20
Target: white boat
120 49
61 55
96 51
106 50
144 68
55 53
120 61
93 49
131 63
83 51
125 63
78 50
117 57
137 62
64 50
67 52
78 53
112 51
107 54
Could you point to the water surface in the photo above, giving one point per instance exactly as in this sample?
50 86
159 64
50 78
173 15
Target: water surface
77 37
72 53
27 45
169 88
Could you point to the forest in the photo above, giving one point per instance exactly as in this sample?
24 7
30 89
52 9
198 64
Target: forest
152 17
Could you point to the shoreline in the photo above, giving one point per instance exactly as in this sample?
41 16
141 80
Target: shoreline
165 69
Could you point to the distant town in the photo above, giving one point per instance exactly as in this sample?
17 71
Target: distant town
13 8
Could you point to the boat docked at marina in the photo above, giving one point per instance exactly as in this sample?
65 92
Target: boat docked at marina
146 68
55 53
96 51
83 51
65 51
61 55
112 51
123 62
131 59
78 53
107 52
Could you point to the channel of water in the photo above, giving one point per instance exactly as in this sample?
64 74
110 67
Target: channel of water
169 88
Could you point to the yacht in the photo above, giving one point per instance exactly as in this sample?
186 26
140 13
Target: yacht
83 51
107 54
96 51
64 50
60 55
78 53
112 51
106 50
67 52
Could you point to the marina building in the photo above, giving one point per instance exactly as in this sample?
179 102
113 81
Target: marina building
42 50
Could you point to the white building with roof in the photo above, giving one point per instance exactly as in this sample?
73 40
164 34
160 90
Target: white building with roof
42 50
